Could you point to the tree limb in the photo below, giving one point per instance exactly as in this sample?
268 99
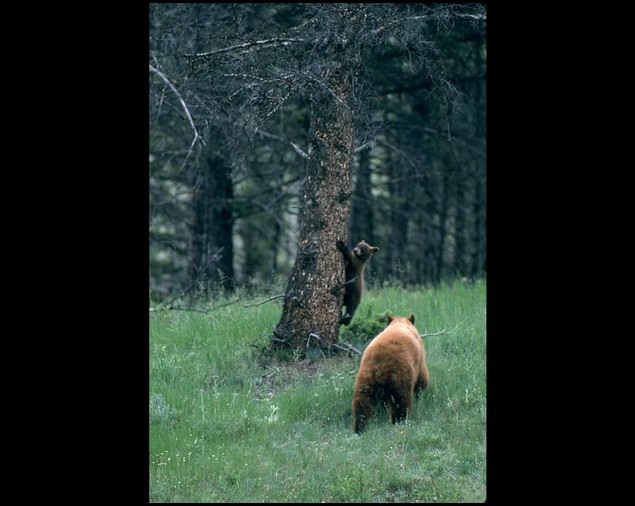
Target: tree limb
264 301
346 347
192 309
434 333
443 331
197 136
476 17
245 45
369 144
297 148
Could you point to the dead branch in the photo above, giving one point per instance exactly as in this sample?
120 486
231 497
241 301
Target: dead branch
192 309
284 340
346 347
443 331
197 136
169 308
319 342
315 336
370 144
326 86
475 17
264 301
262 43
297 148
434 333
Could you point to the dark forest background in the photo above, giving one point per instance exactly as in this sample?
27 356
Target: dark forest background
229 119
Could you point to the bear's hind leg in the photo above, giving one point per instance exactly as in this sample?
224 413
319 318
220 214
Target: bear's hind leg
419 387
362 411
399 406
423 378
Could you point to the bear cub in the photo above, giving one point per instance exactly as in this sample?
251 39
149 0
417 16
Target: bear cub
392 369
355 261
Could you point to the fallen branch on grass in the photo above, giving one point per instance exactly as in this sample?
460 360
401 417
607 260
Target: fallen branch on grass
443 331
346 347
192 309
434 333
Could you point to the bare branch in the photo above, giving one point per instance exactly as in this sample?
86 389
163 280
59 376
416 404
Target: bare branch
434 333
197 136
314 336
443 331
346 347
273 338
397 150
264 301
297 148
476 17
193 309
369 144
262 43
324 85
189 309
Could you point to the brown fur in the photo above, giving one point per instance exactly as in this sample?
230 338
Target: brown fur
393 367
355 261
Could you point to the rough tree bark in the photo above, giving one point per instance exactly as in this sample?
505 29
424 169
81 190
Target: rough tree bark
311 311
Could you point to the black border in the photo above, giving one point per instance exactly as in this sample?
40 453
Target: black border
559 255
76 277
559 259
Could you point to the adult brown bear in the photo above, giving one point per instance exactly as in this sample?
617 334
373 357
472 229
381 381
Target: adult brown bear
392 369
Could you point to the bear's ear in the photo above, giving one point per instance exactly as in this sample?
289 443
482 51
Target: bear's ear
412 318
388 317
374 249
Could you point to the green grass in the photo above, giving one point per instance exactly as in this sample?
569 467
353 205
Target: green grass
227 427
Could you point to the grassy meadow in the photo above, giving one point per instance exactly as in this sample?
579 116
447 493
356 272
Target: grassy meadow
230 424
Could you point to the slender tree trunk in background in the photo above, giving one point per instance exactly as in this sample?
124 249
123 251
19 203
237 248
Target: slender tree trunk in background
435 226
399 218
275 240
418 239
478 263
459 265
198 246
212 253
362 219
220 270
311 311
250 259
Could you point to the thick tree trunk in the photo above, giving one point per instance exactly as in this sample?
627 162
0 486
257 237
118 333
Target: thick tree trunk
311 311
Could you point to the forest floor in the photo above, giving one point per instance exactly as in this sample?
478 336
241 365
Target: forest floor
231 424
